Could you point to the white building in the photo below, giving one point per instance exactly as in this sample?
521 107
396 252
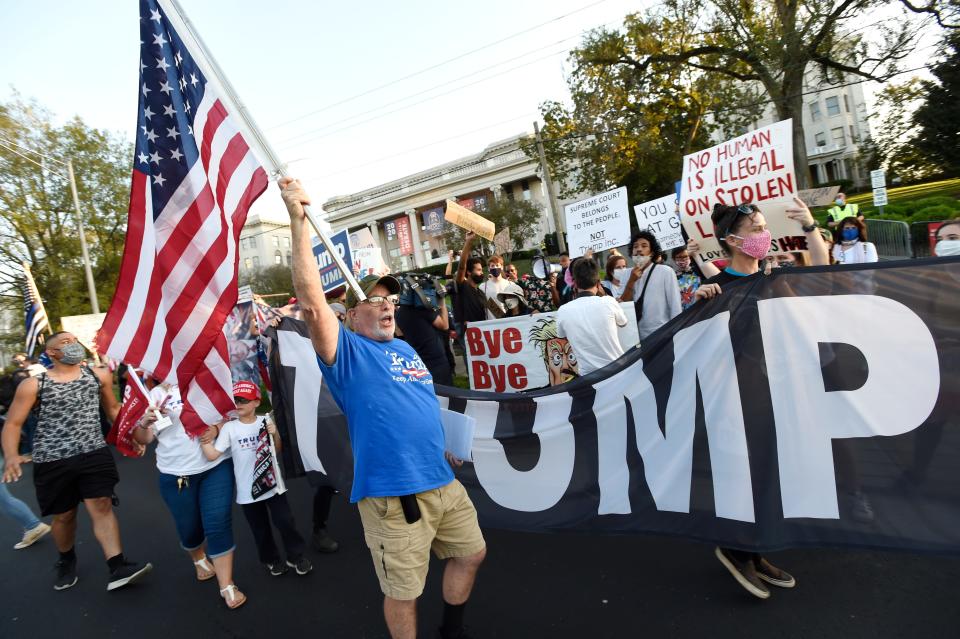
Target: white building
404 216
834 125
264 242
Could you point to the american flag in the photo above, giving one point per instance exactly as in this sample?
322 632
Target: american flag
35 316
194 178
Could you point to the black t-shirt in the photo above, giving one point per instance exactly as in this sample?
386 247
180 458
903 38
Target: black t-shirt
725 277
472 303
418 331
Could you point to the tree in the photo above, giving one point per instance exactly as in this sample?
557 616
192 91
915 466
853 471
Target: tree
37 220
938 118
522 217
273 279
896 147
768 43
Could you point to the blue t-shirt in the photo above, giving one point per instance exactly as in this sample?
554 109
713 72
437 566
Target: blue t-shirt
393 416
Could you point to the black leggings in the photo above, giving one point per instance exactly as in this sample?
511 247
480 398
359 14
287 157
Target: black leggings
259 514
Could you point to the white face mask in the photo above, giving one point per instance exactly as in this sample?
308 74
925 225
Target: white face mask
621 275
948 248
641 260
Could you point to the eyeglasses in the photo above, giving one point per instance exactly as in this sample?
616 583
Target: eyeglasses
241 400
378 300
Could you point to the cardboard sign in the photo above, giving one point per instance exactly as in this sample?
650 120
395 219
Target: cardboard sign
85 327
244 294
599 222
362 238
661 218
822 196
521 353
754 168
330 275
501 242
467 219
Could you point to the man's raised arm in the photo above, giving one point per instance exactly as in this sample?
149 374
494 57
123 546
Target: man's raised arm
464 254
324 328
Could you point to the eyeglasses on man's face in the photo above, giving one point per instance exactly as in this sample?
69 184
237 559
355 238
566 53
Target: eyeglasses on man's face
378 300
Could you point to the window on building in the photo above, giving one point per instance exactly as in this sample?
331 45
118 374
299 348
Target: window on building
833 105
252 241
846 103
838 135
289 257
247 264
286 242
820 138
277 258
276 241
851 169
815 110
243 242
526 190
853 137
256 261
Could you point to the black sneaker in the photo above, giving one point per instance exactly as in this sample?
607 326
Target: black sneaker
66 575
302 566
322 542
277 568
744 572
127 573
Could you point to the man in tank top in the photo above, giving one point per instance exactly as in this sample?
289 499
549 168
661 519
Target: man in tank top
72 463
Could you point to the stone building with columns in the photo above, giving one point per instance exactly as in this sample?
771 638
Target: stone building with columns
405 216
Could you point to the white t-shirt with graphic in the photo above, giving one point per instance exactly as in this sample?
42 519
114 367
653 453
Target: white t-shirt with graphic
241 440
177 453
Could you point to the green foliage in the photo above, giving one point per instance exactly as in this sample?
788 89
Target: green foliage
270 280
938 118
37 220
934 214
894 135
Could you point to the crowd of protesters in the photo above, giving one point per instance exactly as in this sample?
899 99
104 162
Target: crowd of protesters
55 414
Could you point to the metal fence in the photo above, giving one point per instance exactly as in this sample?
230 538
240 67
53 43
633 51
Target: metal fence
892 239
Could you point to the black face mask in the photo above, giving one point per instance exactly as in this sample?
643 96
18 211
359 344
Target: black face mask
477 279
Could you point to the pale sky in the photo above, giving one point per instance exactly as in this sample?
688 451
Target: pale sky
287 59
309 62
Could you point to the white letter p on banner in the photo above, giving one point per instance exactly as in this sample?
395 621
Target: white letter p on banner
900 391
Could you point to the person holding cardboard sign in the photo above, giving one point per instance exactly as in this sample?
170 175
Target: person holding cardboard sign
409 500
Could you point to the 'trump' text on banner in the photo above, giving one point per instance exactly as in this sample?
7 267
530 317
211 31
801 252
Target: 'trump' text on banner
330 275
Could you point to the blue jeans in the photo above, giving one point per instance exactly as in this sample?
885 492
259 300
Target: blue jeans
201 508
16 509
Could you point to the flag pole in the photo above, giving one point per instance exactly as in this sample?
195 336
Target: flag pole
91 287
36 294
278 168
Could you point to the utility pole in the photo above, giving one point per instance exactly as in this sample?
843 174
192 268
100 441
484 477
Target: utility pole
94 304
551 196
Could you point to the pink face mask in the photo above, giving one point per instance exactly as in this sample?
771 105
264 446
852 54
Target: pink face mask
756 246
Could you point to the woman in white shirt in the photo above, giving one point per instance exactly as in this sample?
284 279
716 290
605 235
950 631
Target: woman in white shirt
198 492
616 275
851 245
652 284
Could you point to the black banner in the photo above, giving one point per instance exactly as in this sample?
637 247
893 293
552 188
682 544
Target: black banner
811 407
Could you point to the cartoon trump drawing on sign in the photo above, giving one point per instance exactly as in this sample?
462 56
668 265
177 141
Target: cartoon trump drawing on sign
557 354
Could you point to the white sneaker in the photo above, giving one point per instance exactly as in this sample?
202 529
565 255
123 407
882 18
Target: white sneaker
31 536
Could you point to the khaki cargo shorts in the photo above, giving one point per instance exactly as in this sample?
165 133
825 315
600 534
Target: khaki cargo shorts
401 551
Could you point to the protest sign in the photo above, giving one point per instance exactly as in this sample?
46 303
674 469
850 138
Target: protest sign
85 327
467 219
433 222
404 236
368 261
362 238
599 222
661 218
520 353
740 421
754 168
821 196
501 242
244 294
330 275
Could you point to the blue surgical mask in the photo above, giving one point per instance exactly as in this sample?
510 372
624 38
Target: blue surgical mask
839 202
850 234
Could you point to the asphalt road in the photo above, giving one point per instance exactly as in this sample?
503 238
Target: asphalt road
531 586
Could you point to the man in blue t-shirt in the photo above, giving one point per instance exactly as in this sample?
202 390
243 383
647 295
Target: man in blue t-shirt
408 498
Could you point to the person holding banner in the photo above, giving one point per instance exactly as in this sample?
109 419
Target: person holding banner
742 231
72 461
197 492
652 284
409 500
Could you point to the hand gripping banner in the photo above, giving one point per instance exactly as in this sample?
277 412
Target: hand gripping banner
811 407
